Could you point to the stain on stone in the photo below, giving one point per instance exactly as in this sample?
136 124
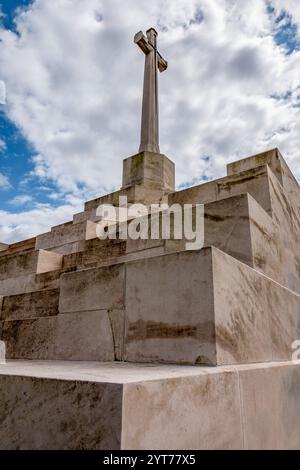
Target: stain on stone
143 330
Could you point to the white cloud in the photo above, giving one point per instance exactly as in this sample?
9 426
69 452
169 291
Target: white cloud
14 227
2 92
21 200
74 83
4 182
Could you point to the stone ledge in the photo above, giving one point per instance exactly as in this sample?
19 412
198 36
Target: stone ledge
89 405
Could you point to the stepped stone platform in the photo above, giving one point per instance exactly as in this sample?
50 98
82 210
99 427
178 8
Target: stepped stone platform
136 344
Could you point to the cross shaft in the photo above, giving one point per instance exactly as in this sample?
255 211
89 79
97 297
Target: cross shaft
153 61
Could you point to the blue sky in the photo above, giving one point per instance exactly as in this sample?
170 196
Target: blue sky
16 160
232 89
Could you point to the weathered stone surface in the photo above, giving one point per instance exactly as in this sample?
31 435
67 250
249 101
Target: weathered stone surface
33 262
201 412
66 234
91 336
3 247
149 169
93 289
32 305
95 252
30 339
59 414
169 315
19 247
254 181
89 405
271 408
223 312
256 319
29 283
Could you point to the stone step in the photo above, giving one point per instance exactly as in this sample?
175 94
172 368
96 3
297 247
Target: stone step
277 164
206 307
254 181
142 407
66 234
193 307
32 262
19 247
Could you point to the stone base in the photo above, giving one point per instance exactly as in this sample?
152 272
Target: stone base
90 405
150 169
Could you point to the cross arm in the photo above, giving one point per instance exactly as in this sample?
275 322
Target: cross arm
141 40
162 63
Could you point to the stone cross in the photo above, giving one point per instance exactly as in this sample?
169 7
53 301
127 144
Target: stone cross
153 61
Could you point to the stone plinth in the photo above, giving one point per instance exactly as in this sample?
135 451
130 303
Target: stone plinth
150 169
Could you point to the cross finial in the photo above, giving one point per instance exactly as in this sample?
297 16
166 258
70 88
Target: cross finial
153 61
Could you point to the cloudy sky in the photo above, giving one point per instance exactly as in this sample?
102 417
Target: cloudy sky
71 85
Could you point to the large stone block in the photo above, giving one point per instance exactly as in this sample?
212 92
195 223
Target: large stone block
54 414
31 305
33 262
188 412
90 336
93 289
271 406
95 252
90 405
254 181
206 307
149 169
29 339
29 283
169 309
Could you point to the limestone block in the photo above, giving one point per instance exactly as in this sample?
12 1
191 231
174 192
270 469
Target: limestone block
279 167
19 247
254 181
169 309
49 414
66 234
90 336
147 168
31 305
271 407
95 252
33 262
201 412
29 283
93 289
227 226
48 261
3 247
273 158
256 319
158 407
206 307
286 215
29 339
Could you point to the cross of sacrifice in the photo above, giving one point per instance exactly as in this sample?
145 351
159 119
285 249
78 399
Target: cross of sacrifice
153 61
